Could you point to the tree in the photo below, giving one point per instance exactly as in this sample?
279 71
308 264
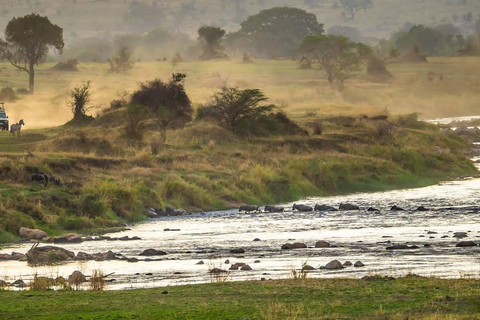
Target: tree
337 55
246 113
428 40
27 40
122 62
275 32
142 17
210 38
79 99
167 101
352 7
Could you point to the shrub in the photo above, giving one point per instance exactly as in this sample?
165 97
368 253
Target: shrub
134 116
79 98
317 127
167 101
92 205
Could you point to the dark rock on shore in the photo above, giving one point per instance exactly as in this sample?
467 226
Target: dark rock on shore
32 234
402 247
153 252
347 206
296 245
68 238
463 244
334 265
322 244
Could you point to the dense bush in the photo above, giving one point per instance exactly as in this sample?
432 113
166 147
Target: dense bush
167 101
245 113
134 116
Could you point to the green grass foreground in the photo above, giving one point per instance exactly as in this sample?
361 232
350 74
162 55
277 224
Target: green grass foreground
405 298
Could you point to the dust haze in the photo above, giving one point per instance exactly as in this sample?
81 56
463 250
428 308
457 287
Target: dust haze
163 38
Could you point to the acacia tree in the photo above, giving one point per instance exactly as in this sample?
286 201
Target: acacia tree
80 97
352 7
27 40
210 38
337 55
274 32
167 101
122 61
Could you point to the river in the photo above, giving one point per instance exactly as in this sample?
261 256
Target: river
353 235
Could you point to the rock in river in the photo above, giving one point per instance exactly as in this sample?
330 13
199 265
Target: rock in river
152 252
322 244
463 244
334 265
296 245
35 234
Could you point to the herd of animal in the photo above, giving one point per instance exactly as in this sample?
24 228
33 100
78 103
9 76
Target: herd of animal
317 207
43 178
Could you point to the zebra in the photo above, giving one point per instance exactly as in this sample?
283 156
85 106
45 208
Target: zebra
15 128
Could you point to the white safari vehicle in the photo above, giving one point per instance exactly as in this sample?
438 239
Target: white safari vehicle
3 117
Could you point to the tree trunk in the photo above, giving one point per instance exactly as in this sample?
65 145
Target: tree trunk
31 77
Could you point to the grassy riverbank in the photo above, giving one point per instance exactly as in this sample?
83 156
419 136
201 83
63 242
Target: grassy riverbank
406 298
108 179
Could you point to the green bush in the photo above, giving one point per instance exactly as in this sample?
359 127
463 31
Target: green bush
92 205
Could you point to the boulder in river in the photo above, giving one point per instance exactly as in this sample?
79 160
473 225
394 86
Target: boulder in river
460 235
324 207
237 251
334 265
463 244
348 264
396 208
200 262
246 268
402 247
153 252
48 255
76 278
32 234
296 245
68 238
322 244
348 206
358 264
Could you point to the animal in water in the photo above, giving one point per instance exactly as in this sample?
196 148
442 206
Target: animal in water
324 207
301 207
16 127
248 208
273 209
347 206
40 177
395 208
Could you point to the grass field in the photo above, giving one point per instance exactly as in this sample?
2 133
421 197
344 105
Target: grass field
406 298
297 92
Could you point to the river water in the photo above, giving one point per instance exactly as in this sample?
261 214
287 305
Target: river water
354 236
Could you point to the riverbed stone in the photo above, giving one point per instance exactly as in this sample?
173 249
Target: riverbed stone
237 251
200 262
19 284
246 268
68 238
35 234
216 271
307 268
348 264
256 239
48 255
322 244
402 247
334 265
296 245
132 260
460 235
153 252
358 264
77 277
463 244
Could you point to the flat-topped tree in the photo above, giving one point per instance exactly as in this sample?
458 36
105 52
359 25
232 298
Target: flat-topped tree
352 7
27 40
210 38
